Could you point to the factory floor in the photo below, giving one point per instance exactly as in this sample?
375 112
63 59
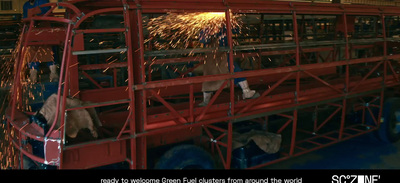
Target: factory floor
363 152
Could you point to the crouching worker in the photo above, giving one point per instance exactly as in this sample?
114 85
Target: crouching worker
76 119
218 63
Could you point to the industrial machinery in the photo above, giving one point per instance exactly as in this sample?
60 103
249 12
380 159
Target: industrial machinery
326 73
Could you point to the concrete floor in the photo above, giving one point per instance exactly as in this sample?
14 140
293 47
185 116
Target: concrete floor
364 152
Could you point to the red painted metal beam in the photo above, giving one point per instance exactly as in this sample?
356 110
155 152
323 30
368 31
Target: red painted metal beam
102 66
91 31
264 72
170 108
327 119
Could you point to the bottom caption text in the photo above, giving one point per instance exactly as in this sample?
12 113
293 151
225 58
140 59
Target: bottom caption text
201 180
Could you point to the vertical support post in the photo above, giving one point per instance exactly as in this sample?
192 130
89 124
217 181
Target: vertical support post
296 38
232 87
230 56
136 110
64 80
297 87
294 128
136 42
229 146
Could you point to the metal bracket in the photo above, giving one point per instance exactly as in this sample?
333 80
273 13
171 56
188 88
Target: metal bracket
78 18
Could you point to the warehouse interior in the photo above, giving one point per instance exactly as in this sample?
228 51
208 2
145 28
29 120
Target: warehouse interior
186 84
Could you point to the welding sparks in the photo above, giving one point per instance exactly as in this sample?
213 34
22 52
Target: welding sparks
9 157
7 152
181 30
190 31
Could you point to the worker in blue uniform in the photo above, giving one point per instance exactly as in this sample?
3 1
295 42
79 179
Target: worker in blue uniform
38 54
218 63
33 4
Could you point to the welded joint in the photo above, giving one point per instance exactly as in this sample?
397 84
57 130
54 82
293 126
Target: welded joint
78 18
72 22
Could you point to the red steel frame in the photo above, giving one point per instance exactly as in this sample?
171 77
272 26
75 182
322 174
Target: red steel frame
144 123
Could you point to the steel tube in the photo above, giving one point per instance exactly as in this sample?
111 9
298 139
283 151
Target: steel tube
91 52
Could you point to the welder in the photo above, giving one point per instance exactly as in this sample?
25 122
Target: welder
218 63
33 6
